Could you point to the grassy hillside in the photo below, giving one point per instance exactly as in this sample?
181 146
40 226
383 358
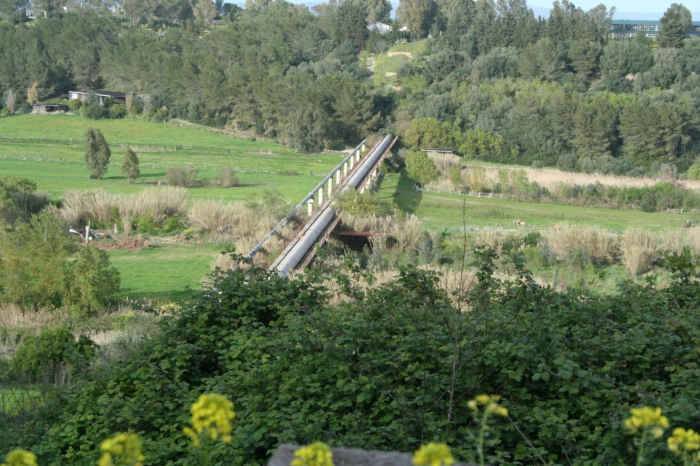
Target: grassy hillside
50 151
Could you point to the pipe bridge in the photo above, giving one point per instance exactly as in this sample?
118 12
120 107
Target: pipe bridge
357 171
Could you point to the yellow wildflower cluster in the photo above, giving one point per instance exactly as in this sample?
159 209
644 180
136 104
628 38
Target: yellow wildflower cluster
647 418
20 458
316 454
211 415
683 441
121 450
490 404
433 454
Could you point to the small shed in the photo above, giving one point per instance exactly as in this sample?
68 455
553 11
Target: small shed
102 96
44 109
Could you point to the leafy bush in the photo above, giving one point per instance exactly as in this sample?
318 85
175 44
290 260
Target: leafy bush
397 365
52 356
117 111
185 177
93 110
693 172
91 282
365 204
19 200
420 168
32 258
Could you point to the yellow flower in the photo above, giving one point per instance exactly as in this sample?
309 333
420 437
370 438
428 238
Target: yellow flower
490 403
647 418
684 441
122 450
20 458
433 454
211 415
316 454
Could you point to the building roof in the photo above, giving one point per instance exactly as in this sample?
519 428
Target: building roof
102 93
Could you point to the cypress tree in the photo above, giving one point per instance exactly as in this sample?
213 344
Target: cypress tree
97 153
130 167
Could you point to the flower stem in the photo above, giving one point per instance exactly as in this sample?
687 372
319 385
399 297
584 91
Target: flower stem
640 451
482 433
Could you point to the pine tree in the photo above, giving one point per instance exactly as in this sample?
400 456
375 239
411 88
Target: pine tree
97 153
130 167
675 26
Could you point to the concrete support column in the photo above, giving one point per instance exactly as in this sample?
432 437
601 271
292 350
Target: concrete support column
320 197
337 177
345 169
330 188
310 206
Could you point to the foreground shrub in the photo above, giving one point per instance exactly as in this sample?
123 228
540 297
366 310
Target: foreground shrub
393 366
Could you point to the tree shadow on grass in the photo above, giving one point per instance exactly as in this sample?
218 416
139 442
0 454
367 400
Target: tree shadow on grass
407 196
122 177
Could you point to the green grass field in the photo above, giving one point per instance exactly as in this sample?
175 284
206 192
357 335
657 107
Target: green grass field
163 272
440 211
50 151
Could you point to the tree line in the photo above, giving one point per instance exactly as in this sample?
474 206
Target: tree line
496 82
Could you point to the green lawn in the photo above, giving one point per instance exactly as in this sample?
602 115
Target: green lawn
163 272
440 211
50 151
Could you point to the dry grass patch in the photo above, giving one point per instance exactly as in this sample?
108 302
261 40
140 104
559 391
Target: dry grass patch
587 243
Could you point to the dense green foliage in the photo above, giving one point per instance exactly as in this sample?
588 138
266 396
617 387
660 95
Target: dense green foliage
53 356
91 281
19 200
278 70
32 262
393 367
38 270
420 168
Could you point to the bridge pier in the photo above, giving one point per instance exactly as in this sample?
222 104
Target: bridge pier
310 207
